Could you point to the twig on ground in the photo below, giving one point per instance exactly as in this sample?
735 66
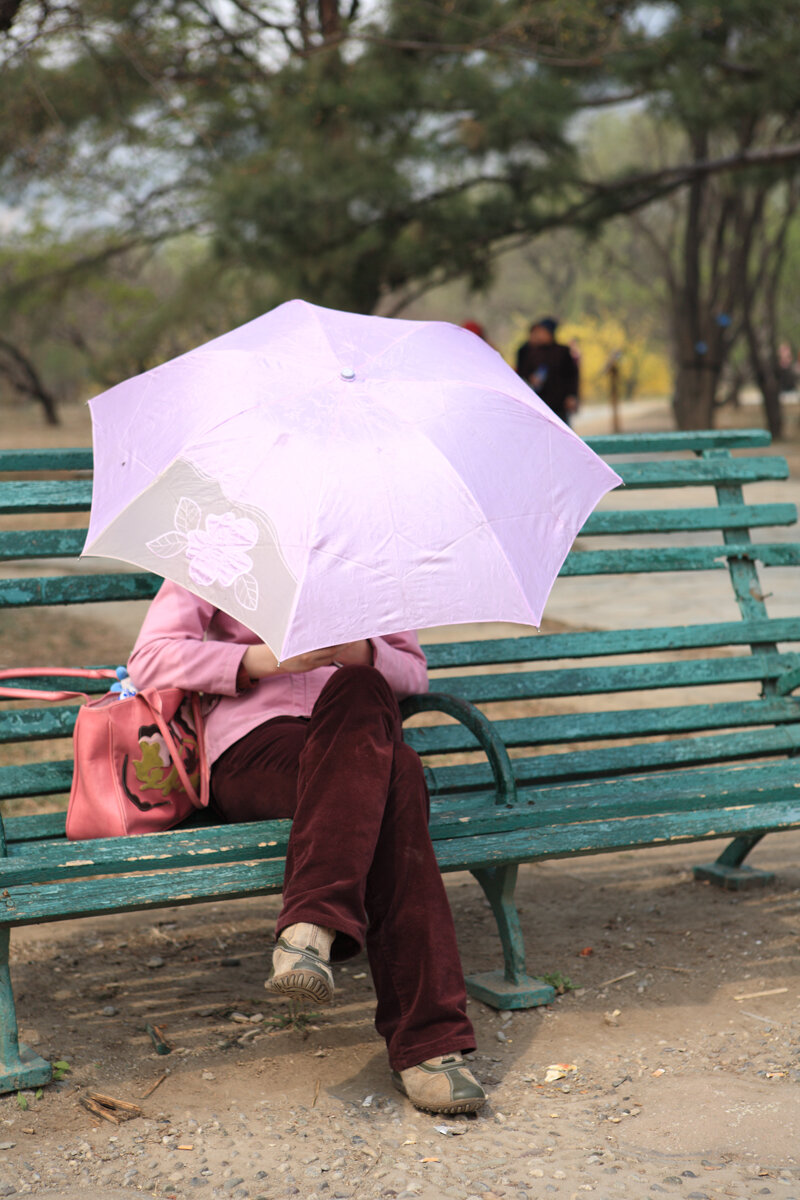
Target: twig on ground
99 1111
112 1102
755 995
616 979
153 1086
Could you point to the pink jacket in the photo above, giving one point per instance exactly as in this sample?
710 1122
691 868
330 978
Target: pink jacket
186 642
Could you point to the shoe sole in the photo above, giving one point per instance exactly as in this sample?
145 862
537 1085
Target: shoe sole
300 985
452 1109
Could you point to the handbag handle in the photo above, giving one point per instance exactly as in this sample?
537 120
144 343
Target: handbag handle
33 672
200 801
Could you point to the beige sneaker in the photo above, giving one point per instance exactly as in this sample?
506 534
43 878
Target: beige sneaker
300 964
441 1085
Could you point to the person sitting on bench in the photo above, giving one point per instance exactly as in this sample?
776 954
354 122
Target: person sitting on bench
318 739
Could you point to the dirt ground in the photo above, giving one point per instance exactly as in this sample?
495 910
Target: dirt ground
676 1051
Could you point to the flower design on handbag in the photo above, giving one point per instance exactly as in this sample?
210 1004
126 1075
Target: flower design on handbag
154 769
217 554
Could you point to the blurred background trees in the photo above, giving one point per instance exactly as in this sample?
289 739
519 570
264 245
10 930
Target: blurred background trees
171 168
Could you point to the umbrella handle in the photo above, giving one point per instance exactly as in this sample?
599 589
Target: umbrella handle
479 726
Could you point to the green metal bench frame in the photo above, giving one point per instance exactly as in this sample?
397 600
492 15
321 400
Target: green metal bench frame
633 777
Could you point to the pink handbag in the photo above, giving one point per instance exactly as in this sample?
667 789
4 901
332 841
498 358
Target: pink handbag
140 761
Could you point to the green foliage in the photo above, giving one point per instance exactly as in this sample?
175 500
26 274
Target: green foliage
561 983
60 1069
190 167
295 1019
375 163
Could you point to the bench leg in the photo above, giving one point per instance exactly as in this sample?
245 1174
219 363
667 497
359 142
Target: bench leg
20 1067
512 987
728 872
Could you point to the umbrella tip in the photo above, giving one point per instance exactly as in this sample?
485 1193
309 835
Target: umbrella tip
348 373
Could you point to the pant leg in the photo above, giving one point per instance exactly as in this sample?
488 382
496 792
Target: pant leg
360 859
411 939
344 779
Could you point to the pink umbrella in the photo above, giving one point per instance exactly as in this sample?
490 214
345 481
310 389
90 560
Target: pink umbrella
324 476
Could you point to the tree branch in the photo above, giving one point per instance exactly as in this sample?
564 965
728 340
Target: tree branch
27 380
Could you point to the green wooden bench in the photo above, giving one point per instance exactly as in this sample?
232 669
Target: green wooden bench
566 743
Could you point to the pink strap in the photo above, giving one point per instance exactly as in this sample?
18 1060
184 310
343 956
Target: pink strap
200 801
40 672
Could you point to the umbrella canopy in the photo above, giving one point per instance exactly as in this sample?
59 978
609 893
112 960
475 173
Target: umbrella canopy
324 476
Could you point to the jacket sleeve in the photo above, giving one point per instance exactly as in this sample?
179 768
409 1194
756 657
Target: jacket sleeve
172 651
401 661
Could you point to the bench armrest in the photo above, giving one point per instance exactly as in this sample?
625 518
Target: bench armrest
479 726
788 681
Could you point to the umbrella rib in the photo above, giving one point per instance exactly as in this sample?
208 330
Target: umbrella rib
482 522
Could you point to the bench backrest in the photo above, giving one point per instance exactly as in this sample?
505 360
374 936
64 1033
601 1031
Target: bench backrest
728 680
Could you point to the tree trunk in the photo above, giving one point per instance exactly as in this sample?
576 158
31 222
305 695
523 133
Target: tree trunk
773 410
697 371
698 363
695 392
763 363
766 376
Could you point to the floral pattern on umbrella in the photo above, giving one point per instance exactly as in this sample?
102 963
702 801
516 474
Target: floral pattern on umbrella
217 554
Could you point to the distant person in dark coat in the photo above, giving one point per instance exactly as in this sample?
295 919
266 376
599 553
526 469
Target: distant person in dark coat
550 369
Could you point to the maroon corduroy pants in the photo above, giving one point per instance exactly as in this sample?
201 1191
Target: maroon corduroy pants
360 858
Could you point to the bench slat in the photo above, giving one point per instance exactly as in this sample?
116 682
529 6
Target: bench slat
579 681
45 495
597 643
77 589
37 724
71 458
30 903
36 779
716 472
679 558
664 443
619 760
698 782
692 520
41 543
598 837
175 849
569 728
33 827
